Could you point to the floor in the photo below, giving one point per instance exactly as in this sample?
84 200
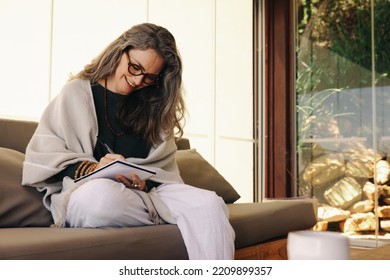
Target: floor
276 250
356 251
380 253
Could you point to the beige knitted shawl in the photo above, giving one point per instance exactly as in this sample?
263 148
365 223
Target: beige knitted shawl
67 133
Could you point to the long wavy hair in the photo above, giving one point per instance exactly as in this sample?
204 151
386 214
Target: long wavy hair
154 111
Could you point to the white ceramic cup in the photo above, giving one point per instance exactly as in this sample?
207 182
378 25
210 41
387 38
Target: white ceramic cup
312 245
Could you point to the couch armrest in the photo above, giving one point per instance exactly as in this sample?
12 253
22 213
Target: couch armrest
15 134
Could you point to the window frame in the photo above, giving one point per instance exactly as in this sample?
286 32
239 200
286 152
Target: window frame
279 99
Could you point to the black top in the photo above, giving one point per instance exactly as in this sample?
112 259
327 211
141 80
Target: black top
124 144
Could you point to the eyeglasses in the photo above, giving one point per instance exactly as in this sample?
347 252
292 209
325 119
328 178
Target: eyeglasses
135 70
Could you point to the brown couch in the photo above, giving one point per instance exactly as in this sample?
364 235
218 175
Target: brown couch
25 231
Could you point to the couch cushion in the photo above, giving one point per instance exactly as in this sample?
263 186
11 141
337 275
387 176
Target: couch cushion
130 243
23 130
183 143
197 172
19 206
255 223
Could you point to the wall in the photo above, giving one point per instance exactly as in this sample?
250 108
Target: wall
43 41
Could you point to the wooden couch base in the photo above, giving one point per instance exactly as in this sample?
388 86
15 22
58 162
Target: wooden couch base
273 250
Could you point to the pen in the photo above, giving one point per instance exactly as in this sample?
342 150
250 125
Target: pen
105 145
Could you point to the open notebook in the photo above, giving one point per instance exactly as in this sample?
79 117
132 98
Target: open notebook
119 167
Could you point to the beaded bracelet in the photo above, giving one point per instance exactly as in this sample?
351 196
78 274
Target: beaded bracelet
82 171
91 168
77 173
84 168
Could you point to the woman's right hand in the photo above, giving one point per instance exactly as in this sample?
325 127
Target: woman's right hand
108 158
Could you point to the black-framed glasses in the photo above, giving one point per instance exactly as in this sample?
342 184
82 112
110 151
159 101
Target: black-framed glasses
136 70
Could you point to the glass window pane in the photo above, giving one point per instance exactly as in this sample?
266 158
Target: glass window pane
342 108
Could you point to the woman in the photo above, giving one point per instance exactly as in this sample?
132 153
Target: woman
126 104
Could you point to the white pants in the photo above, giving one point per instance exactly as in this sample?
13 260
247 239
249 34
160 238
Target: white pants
201 215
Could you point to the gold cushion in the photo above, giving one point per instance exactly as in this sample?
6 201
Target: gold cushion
197 172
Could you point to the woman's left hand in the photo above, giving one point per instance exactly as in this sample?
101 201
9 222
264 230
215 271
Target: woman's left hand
133 183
